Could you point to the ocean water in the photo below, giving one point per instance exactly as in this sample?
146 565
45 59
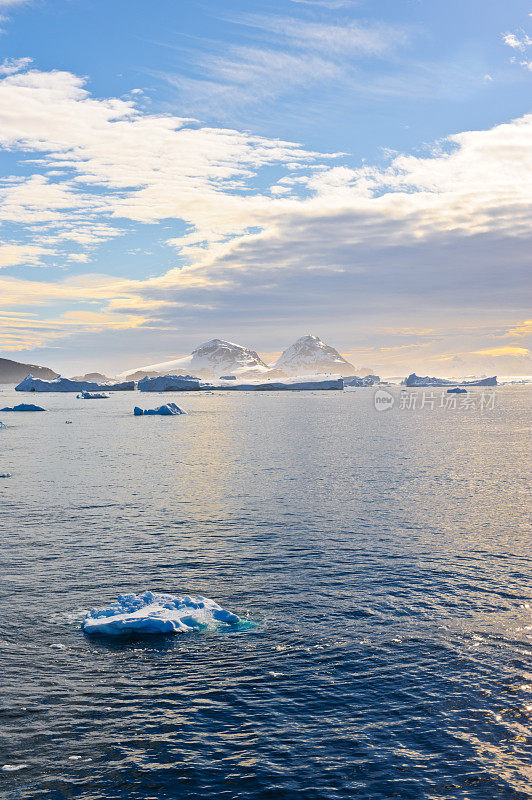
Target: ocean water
383 560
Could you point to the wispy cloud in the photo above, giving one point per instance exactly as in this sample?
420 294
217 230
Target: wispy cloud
521 42
11 65
14 254
330 4
281 54
351 36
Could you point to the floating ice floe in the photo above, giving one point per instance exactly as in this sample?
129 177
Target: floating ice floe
23 407
31 384
168 410
157 613
93 396
13 767
2 425
5 475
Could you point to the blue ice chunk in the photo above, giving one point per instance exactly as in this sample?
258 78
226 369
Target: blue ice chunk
23 407
168 410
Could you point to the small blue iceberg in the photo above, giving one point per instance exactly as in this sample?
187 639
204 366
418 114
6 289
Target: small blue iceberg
168 410
23 407
457 390
157 613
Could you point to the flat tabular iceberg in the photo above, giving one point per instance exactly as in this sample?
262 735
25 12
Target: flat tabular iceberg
168 410
170 383
31 384
157 613
185 383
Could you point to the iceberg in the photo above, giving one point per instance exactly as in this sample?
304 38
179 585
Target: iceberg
23 407
185 383
168 410
170 383
457 390
316 382
3 425
156 613
93 396
414 380
31 384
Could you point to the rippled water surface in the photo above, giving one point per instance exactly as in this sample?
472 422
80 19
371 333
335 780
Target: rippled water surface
384 557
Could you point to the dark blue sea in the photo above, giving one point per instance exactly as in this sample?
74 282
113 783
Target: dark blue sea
384 559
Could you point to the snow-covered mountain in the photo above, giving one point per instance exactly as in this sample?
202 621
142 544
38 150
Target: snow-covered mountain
309 355
211 359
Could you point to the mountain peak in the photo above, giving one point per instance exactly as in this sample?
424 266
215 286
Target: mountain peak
309 354
212 359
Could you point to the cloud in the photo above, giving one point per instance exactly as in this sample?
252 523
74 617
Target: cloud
11 65
15 254
517 41
330 4
348 37
523 329
440 235
521 42
503 351
26 332
277 55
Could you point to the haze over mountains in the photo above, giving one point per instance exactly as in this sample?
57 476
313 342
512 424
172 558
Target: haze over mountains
15 371
216 358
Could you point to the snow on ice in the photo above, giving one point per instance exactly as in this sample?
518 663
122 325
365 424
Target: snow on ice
157 613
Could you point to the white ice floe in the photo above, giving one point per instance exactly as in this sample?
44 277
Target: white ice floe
13 767
157 613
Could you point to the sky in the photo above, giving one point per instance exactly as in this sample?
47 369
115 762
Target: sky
174 171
